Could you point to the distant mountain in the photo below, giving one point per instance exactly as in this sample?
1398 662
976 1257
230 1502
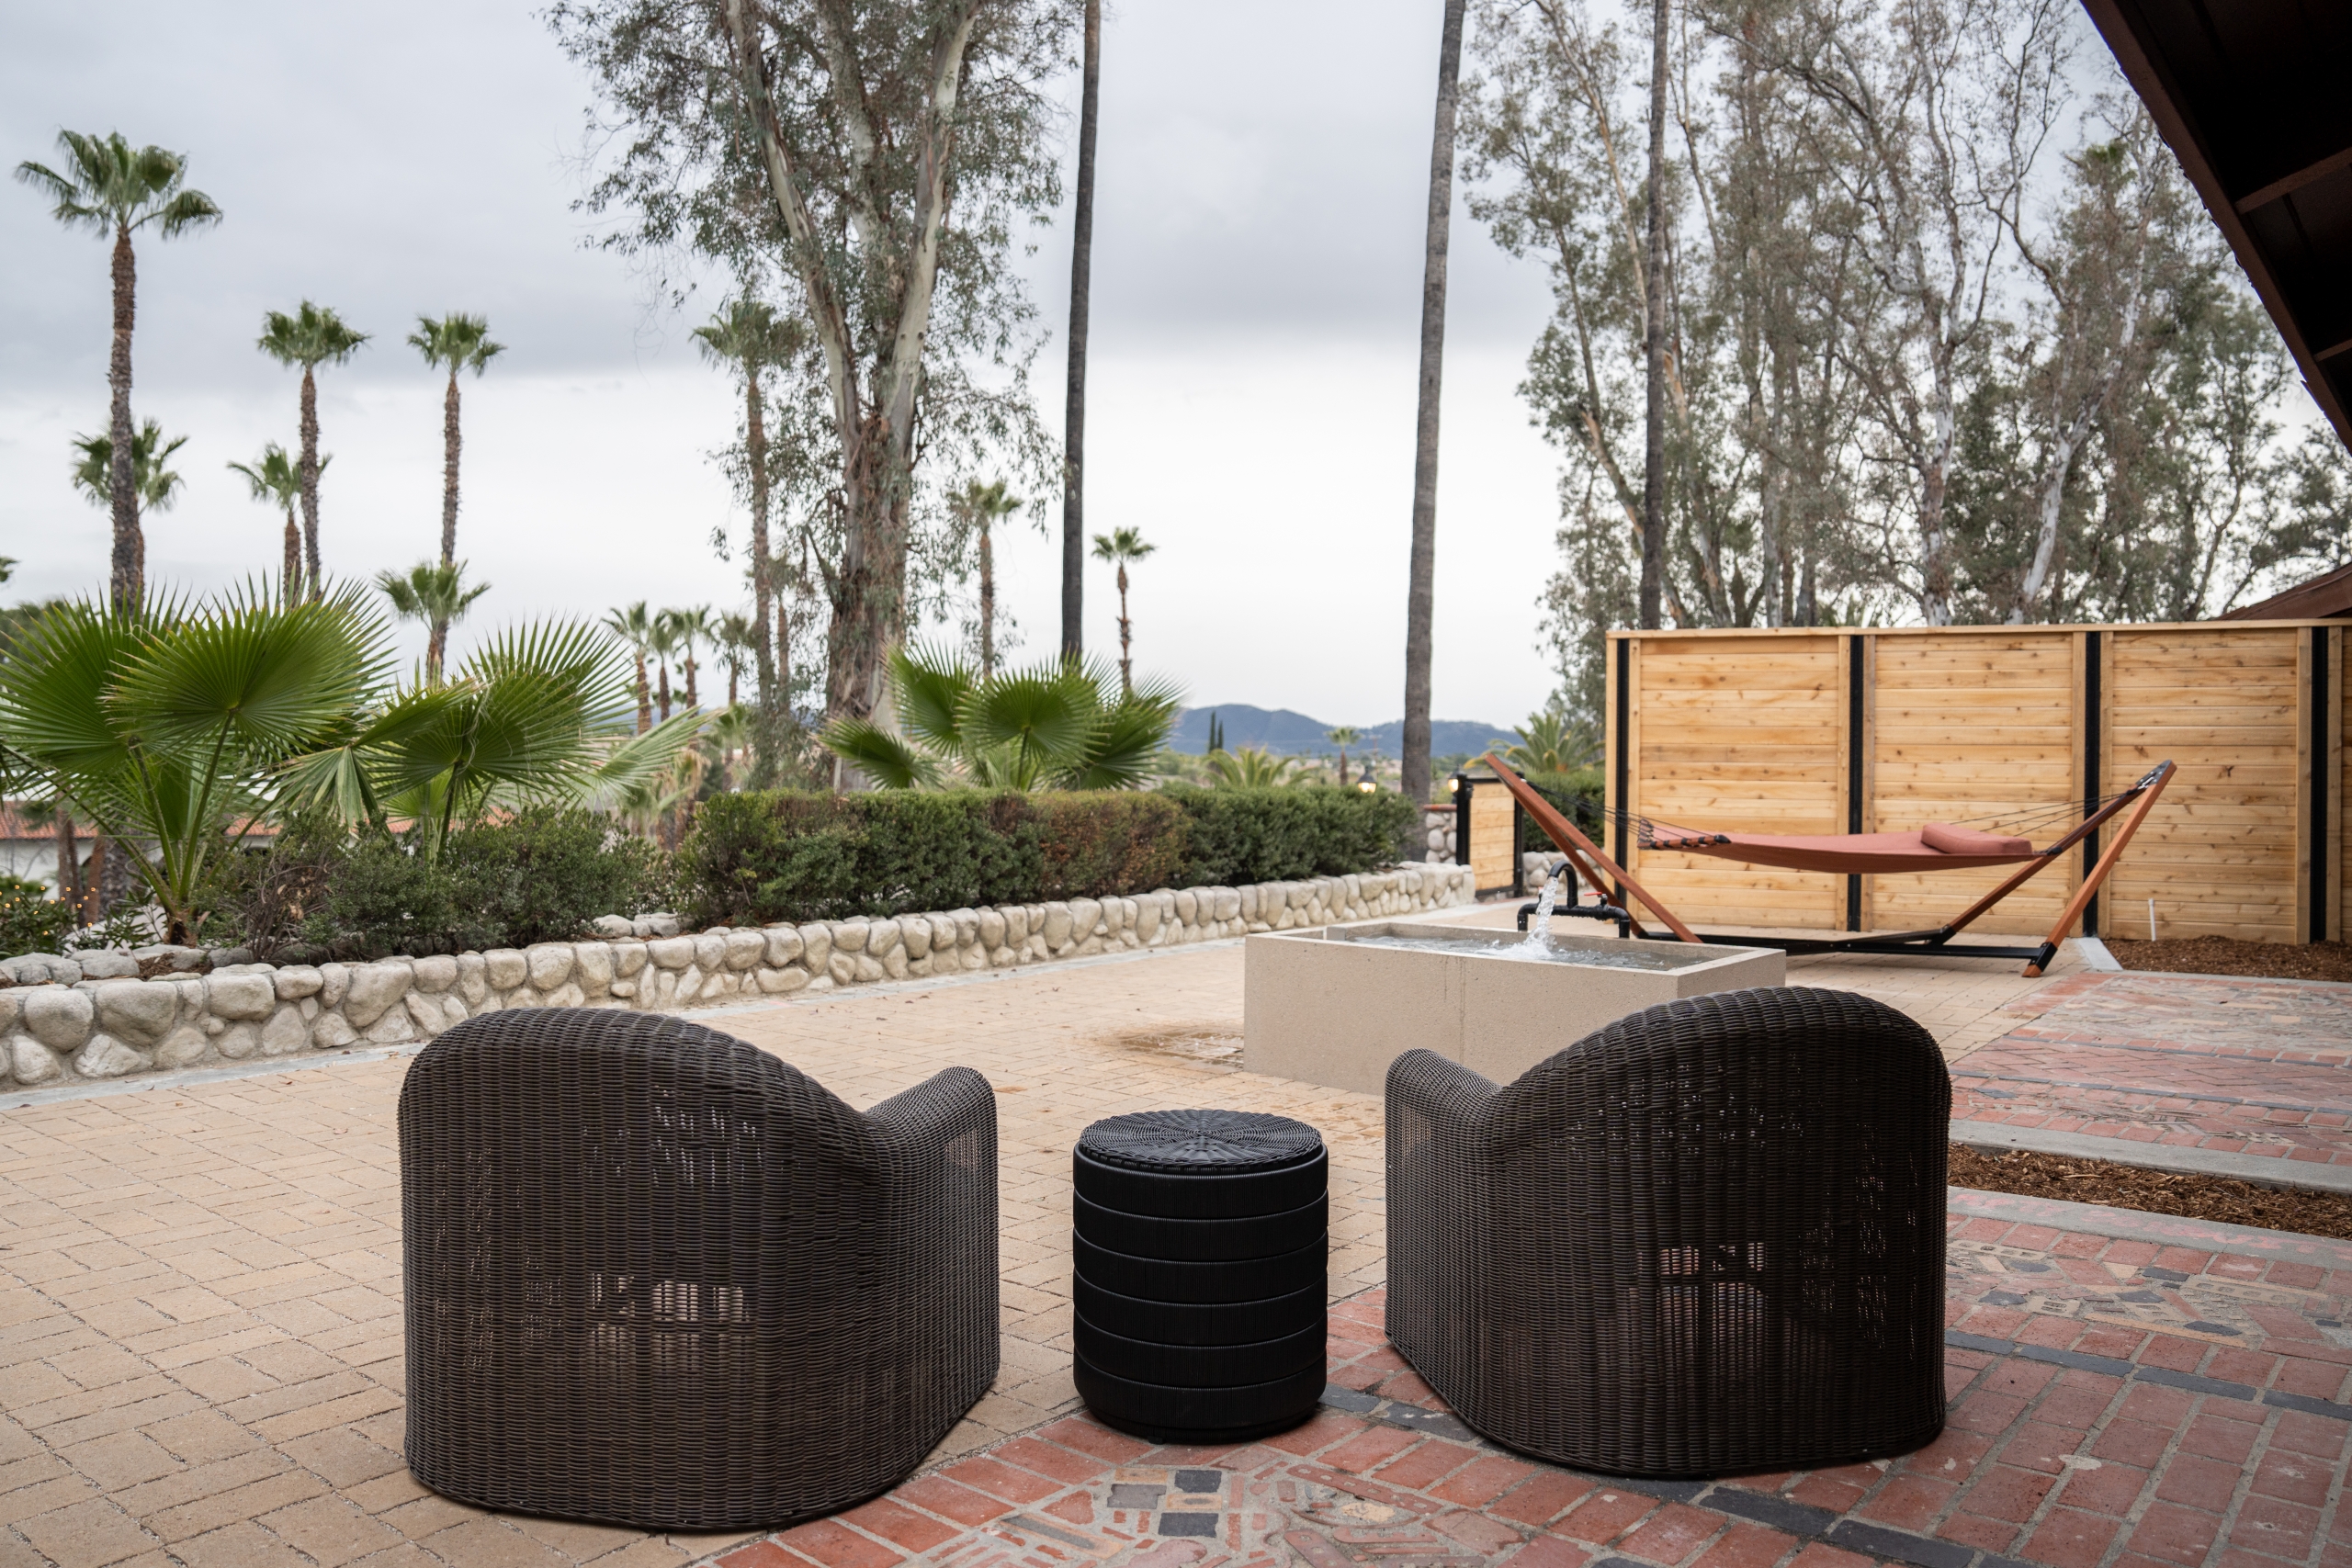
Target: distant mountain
1288 734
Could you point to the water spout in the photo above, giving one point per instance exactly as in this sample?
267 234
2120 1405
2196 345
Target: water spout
1539 936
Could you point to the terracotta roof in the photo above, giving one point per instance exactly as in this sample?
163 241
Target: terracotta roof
2325 597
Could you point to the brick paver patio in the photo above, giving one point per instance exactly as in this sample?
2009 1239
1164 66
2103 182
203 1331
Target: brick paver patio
200 1343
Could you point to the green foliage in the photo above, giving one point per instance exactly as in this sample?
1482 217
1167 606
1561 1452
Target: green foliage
1576 793
1553 742
109 187
769 855
155 484
1239 834
1054 726
542 875
1252 767
31 921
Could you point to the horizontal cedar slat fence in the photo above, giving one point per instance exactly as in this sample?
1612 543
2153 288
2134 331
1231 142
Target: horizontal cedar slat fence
1860 730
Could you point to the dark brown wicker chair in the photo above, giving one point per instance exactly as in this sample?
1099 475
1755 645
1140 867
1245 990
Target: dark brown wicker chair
656 1277
1707 1239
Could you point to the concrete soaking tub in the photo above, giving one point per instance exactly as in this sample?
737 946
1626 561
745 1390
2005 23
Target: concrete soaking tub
1336 1005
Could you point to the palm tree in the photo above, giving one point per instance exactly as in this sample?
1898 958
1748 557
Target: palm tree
461 342
1553 742
1252 767
633 624
113 188
1082 289
438 596
273 478
1122 546
661 642
737 637
1342 736
690 628
154 487
311 337
1056 726
747 333
981 506
1421 588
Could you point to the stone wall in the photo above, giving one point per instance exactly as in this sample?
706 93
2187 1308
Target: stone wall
68 1018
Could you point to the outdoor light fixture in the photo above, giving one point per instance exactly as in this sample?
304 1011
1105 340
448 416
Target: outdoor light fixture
1367 784
1455 781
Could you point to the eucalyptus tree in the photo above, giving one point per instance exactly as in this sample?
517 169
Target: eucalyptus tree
436 594
822 141
273 478
309 337
748 336
113 190
1119 547
457 341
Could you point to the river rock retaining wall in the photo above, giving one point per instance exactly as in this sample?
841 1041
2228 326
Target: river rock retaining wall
92 1016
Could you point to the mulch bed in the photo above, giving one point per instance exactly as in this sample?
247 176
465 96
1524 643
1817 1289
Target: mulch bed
2223 956
2153 1191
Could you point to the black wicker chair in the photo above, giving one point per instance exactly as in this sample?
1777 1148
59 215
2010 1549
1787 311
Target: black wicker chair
1707 1239
656 1277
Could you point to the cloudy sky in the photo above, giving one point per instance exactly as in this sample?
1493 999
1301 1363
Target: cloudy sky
1256 296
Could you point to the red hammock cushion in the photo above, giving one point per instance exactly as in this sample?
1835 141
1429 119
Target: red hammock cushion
1969 842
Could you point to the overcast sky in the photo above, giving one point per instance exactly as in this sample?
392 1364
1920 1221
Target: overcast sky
1256 304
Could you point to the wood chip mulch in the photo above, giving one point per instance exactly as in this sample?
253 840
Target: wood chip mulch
2222 955
2153 1191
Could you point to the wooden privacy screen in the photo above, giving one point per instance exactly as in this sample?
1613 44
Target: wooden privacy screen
1858 731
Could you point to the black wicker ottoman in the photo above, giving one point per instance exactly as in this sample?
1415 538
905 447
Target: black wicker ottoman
1200 1243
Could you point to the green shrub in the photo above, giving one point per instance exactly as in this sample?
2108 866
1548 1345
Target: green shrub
1577 796
542 875
30 920
752 857
1241 835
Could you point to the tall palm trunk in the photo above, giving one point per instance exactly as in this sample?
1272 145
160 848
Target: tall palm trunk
292 567
1127 670
987 603
309 471
1653 335
126 577
70 891
692 701
1421 591
664 690
449 444
1081 285
644 698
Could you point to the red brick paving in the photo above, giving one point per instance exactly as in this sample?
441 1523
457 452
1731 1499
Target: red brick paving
2241 1066
2071 1444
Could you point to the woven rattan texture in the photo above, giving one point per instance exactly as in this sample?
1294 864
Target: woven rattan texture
657 1277
1706 1239
1224 1142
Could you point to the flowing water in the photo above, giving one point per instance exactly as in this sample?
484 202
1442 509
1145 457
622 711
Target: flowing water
1542 935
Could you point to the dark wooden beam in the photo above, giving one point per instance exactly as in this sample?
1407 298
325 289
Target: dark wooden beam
2296 181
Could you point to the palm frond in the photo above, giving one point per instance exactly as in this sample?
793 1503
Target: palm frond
881 756
929 686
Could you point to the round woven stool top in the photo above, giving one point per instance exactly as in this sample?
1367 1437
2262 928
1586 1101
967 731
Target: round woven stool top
1201 1142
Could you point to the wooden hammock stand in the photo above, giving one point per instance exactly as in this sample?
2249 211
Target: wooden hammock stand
1595 867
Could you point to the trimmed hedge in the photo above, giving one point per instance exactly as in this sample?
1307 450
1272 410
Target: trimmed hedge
757 856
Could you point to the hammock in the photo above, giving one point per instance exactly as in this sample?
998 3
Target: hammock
1936 846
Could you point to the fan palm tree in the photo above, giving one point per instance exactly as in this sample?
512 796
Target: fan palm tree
689 629
459 342
273 478
113 190
746 334
737 637
633 624
662 643
1120 546
1342 736
438 596
1252 767
154 486
1056 726
311 337
167 724
981 507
